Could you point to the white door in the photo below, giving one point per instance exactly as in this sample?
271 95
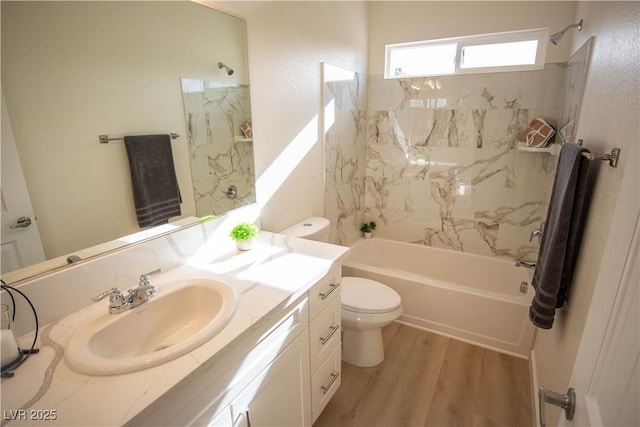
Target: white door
606 374
21 245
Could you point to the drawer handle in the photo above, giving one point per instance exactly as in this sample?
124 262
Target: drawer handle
326 339
326 388
332 287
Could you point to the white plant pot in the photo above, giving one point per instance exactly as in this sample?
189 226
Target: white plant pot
244 245
368 235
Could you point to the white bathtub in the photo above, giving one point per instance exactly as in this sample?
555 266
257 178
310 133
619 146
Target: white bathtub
468 297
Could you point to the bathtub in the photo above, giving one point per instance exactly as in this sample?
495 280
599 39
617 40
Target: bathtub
469 297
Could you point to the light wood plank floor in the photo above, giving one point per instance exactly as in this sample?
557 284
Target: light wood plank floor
430 380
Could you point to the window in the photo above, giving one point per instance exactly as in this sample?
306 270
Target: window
487 53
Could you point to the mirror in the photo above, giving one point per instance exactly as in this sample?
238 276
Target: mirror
72 71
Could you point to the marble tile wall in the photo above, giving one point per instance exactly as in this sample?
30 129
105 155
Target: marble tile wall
346 122
442 164
219 154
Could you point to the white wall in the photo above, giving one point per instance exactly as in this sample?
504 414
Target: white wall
287 42
74 70
610 117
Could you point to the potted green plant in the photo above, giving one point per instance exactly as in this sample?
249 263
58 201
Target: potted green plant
367 228
243 234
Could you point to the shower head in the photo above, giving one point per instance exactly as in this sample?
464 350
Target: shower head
555 38
221 66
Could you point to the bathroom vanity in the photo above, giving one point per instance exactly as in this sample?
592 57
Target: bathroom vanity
276 362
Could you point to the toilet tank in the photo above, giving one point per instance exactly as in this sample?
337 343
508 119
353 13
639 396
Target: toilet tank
314 228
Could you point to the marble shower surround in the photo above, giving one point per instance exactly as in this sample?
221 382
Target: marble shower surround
219 155
345 107
442 161
443 167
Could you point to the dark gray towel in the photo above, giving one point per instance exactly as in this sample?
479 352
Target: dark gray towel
155 187
561 237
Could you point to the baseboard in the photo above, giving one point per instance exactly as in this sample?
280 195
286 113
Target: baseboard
461 335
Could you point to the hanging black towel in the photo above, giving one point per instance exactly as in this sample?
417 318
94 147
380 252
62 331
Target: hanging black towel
155 187
561 236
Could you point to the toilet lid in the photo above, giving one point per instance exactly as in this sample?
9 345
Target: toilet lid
368 296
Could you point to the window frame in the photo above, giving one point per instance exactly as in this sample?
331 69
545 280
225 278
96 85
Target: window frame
539 34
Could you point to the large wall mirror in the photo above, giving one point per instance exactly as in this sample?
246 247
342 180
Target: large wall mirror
72 71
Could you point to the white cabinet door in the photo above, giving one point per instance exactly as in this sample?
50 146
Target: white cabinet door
280 394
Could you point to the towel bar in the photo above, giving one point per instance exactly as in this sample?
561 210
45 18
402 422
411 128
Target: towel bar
612 157
104 139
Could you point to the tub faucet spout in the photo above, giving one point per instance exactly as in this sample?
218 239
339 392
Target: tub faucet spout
526 264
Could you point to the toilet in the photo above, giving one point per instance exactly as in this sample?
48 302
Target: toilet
367 305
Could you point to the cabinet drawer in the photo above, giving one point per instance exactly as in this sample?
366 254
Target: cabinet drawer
325 331
325 382
324 292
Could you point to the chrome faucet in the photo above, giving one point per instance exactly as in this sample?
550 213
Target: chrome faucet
526 264
119 303
535 233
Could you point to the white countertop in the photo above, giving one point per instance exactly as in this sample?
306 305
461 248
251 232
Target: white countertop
267 278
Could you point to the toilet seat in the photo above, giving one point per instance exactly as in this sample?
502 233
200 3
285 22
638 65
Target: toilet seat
368 296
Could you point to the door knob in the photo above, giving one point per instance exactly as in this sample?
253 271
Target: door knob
22 222
565 401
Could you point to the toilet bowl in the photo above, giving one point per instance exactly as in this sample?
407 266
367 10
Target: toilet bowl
367 305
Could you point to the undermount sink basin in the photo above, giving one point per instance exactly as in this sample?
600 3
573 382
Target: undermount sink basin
182 316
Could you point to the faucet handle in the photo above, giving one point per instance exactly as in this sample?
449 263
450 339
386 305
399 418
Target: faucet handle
144 279
535 233
114 295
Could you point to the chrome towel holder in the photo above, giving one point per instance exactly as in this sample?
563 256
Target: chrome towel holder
105 139
611 157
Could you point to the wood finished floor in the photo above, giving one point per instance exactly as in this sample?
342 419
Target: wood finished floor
430 380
